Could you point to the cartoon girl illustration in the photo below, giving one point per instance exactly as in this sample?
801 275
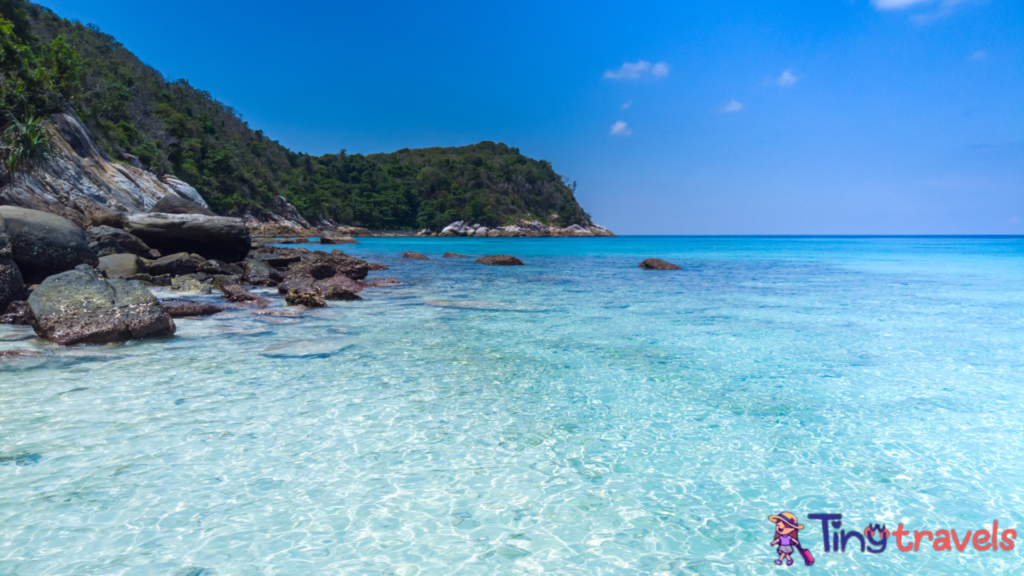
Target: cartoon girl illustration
786 536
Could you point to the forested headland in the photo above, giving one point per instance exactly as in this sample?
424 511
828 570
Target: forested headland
49 64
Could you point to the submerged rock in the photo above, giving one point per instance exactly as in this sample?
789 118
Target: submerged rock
181 308
414 255
43 244
380 283
322 265
309 299
80 307
217 237
500 260
655 264
374 267
319 348
453 255
238 294
15 354
259 273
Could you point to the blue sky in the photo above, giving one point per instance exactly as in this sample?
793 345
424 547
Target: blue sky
697 117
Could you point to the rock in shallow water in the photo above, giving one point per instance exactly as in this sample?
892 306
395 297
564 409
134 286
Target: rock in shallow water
655 264
415 255
225 239
309 299
106 240
319 348
500 260
120 265
453 255
80 307
181 308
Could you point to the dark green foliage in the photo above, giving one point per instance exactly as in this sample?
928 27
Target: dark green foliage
175 128
26 144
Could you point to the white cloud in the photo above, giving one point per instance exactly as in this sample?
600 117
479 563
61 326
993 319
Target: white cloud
634 70
787 79
979 55
620 128
731 106
945 8
627 104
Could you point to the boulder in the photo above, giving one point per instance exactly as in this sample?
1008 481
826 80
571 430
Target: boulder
190 284
219 281
216 237
322 265
18 314
181 308
307 299
655 264
120 265
374 267
106 240
164 280
178 264
80 307
217 267
184 190
500 260
43 244
455 229
481 231
279 260
414 256
259 273
238 294
174 204
338 288
453 255
12 285
353 231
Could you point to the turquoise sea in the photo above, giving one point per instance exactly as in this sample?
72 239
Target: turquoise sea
576 415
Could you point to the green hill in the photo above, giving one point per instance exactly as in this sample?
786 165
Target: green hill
49 63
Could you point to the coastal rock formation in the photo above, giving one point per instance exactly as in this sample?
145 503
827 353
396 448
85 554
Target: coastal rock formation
655 264
521 228
80 307
216 237
325 239
216 267
453 255
174 204
338 288
80 181
307 299
44 244
500 260
181 308
414 256
107 240
120 265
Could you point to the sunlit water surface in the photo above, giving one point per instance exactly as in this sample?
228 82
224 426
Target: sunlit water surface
576 415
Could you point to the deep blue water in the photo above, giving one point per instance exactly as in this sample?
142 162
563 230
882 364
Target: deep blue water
576 415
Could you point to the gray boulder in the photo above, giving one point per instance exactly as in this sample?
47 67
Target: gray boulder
120 265
656 264
181 308
212 237
259 273
499 260
43 244
174 204
178 264
106 240
80 307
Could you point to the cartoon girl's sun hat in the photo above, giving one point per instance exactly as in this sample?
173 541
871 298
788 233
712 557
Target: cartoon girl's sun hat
788 519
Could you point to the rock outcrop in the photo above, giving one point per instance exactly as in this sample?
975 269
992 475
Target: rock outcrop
178 264
322 265
414 255
120 265
216 237
306 299
500 260
80 307
81 181
18 313
43 244
655 264
521 228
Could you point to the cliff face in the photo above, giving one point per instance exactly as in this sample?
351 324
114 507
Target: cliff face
80 180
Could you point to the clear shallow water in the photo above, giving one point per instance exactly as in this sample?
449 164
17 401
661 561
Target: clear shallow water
573 416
